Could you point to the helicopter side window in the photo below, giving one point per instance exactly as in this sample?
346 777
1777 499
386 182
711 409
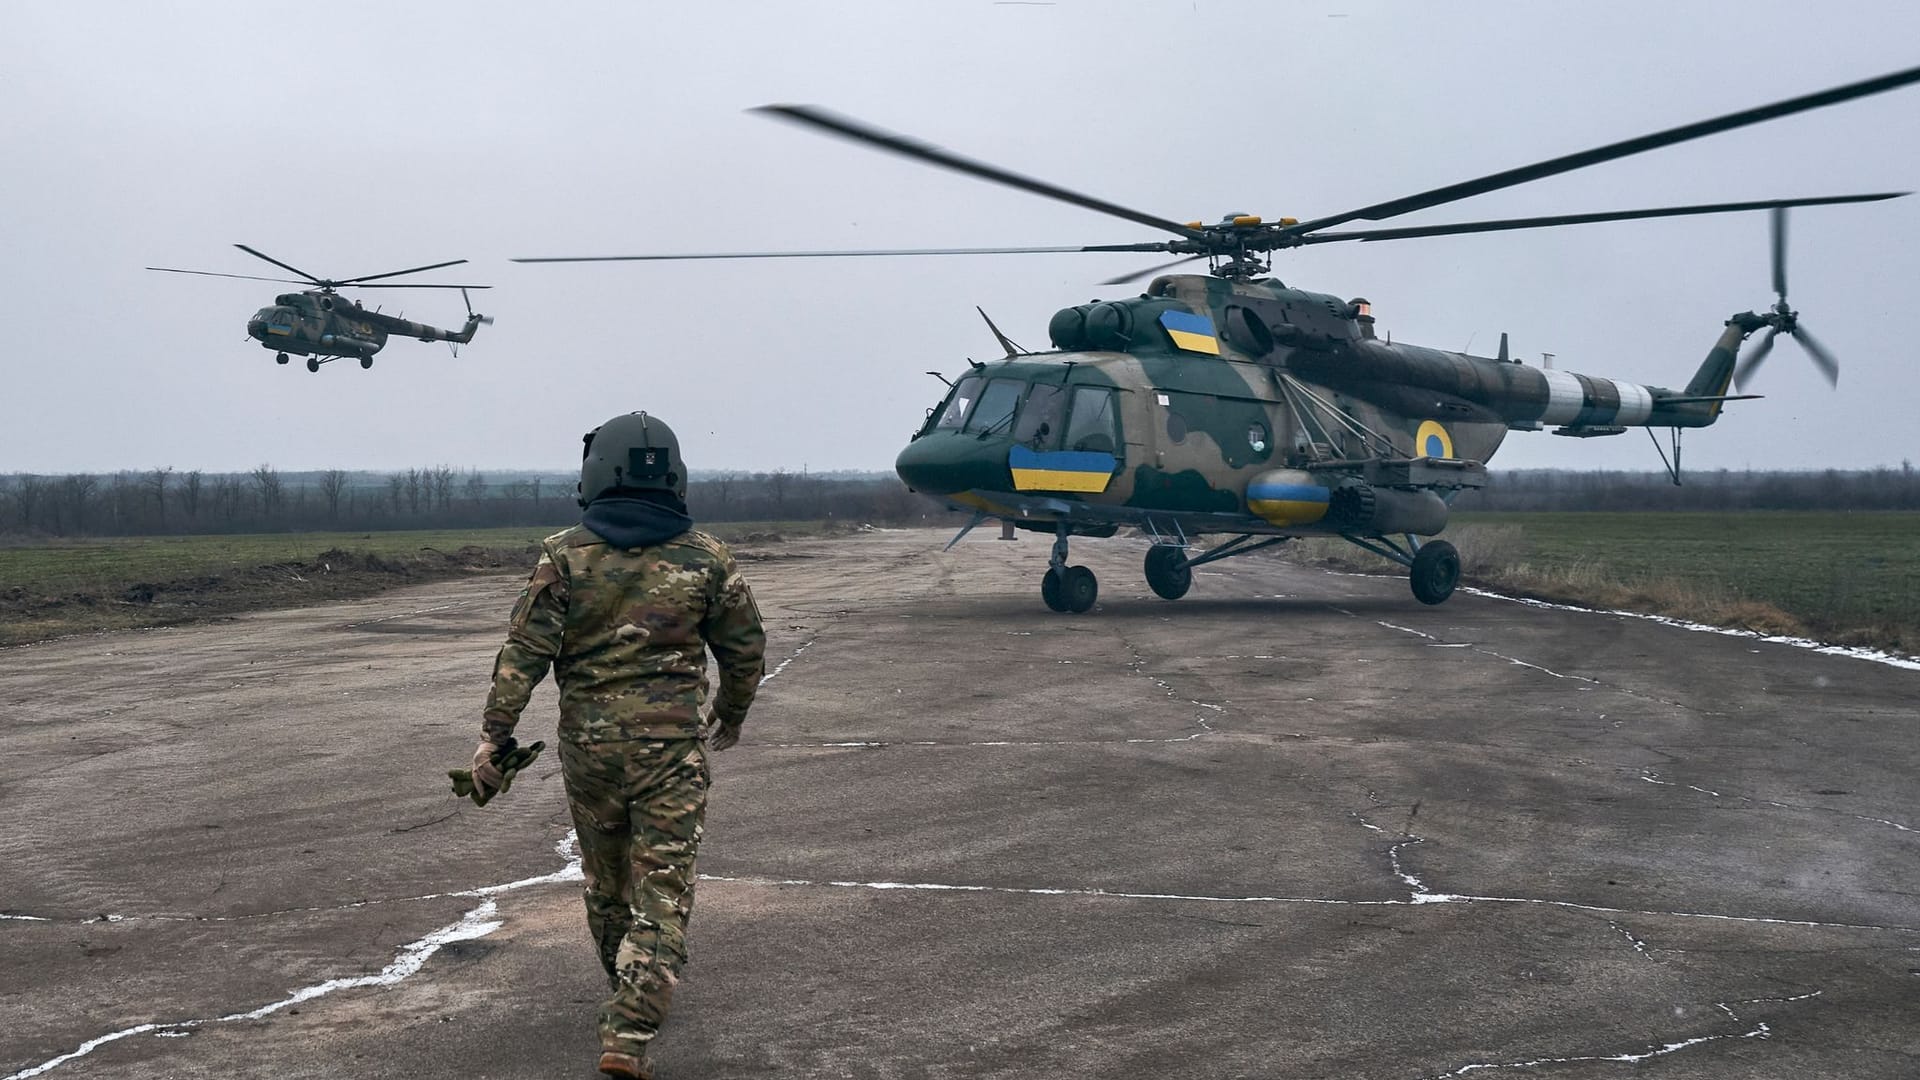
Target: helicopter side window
995 411
964 393
1093 425
1039 423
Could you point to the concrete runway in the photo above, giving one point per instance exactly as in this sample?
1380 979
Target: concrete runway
1294 825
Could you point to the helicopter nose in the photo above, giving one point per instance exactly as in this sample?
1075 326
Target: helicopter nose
257 328
949 462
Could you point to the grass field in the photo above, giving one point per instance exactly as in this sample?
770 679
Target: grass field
52 588
1845 578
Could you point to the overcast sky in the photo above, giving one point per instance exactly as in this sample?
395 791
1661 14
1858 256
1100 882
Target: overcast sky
355 138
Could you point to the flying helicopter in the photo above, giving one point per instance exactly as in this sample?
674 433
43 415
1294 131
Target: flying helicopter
1233 405
324 326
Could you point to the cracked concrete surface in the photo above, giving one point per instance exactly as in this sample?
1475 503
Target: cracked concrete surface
1294 825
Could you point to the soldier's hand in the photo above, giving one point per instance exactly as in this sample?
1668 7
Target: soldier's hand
488 778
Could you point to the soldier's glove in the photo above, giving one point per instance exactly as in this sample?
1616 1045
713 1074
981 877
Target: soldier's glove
494 767
722 734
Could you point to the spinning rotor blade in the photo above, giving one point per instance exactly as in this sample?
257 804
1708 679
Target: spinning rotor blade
1822 359
1779 230
1744 373
849 128
1138 274
417 285
1776 205
280 264
397 273
1569 162
210 273
846 254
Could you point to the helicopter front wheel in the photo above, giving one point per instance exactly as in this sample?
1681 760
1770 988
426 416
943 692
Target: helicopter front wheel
279 358
1435 571
1051 591
313 364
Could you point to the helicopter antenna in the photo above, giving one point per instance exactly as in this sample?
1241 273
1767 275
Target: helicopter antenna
1005 341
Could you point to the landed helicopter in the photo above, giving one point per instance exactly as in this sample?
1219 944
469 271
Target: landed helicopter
1232 404
324 326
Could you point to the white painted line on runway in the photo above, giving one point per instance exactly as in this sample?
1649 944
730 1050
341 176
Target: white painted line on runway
411 957
1760 1030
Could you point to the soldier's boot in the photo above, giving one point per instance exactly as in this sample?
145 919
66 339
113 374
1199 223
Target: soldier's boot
626 1066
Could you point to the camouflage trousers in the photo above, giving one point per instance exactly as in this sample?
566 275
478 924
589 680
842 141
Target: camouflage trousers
637 807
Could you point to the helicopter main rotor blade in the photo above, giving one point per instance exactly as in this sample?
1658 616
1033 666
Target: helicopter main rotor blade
1779 230
403 285
1151 246
1570 162
1138 274
1744 373
281 265
849 128
1822 359
397 273
1775 205
243 277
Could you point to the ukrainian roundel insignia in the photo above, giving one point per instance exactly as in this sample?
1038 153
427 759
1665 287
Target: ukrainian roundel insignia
1432 441
1193 333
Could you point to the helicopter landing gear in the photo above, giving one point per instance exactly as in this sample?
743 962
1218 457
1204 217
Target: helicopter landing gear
1168 573
366 362
279 358
1435 571
1067 588
313 363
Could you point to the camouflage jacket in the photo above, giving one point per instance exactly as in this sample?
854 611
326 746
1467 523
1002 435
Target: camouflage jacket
626 632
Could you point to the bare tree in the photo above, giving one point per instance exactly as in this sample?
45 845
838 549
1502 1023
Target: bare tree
443 486
155 482
190 494
396 488
76 495
332 483
416 484
474 489
266 484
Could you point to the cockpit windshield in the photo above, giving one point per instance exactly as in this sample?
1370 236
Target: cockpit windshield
964 393
994 414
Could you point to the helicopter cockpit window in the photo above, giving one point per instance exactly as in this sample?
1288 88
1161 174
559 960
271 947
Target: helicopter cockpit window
964 393
994 414
1093 425
1039 423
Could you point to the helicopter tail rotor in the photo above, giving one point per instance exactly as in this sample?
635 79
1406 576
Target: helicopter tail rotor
1782 319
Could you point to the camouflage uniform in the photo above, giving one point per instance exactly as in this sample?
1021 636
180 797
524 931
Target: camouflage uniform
626 632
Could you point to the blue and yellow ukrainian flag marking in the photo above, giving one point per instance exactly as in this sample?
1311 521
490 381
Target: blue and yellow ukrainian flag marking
1191 332
1288 504
1432 440
1060 470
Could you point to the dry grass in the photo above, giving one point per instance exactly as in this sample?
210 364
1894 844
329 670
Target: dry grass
1510 558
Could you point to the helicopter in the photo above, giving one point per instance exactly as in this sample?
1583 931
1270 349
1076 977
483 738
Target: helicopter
324 326
1230 404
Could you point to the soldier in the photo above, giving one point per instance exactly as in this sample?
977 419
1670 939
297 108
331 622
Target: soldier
624 607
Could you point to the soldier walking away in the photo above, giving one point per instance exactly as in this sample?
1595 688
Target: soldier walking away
624 607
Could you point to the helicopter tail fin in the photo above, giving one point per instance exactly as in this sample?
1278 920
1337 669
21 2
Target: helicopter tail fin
1700 403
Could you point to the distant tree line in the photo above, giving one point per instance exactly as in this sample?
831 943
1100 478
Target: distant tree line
1718 489
165 501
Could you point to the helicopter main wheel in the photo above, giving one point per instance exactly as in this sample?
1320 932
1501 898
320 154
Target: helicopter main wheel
366 362
1436 570
1079 589
1052 591
1168 574
313 364
279 358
